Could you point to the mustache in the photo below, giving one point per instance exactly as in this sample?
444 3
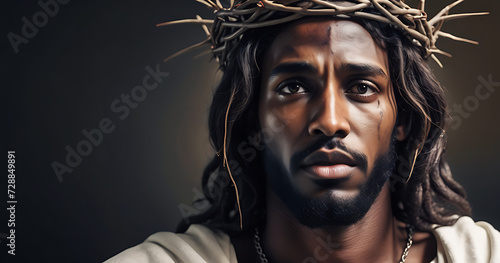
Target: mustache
329 143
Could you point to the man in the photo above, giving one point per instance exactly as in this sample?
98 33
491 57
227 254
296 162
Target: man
329 132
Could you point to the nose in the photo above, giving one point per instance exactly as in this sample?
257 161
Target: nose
329 115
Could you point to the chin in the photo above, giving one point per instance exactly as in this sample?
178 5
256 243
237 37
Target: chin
330 207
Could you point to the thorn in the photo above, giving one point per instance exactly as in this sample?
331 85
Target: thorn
186 21
437 60
205 28
438 51
450 36
450 6
421 6
455 16
444 11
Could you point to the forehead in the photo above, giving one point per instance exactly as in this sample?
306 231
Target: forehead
324 30
326 40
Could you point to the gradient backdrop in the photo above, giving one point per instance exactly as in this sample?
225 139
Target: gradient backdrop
86 55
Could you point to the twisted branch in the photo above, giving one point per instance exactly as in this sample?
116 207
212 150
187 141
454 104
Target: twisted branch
232 21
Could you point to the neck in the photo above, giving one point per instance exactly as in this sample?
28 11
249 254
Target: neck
375 238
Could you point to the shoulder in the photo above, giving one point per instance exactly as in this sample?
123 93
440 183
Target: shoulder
467 241
197 244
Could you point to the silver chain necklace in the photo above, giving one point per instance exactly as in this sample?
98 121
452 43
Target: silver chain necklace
263 258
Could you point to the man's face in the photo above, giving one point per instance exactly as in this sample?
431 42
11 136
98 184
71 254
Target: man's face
326 86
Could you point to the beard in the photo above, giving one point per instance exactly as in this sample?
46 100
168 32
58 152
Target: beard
326 209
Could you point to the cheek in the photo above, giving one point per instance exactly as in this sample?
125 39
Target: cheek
282 126
365 120
373 125
387 116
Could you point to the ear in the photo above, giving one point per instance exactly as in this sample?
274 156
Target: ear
400 132
402 127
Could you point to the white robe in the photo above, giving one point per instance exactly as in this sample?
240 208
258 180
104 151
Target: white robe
465 241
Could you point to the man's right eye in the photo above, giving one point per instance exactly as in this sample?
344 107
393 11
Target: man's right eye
292 87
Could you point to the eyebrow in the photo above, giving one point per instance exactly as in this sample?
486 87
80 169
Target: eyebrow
364 69
292 68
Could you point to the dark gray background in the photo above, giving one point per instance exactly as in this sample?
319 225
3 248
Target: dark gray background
131 185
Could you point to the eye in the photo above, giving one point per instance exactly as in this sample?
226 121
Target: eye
362 90
292 87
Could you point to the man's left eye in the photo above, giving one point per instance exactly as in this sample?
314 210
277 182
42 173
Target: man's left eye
363 89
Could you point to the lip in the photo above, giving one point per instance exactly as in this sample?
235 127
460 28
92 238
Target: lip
329 165
335 171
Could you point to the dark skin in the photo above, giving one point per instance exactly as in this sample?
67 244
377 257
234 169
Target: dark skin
328 78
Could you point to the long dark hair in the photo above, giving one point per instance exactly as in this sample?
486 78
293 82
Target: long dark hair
423 190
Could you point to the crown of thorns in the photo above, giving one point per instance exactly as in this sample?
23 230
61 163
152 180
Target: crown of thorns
232 21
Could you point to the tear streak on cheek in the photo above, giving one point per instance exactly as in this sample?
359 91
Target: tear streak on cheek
381 118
